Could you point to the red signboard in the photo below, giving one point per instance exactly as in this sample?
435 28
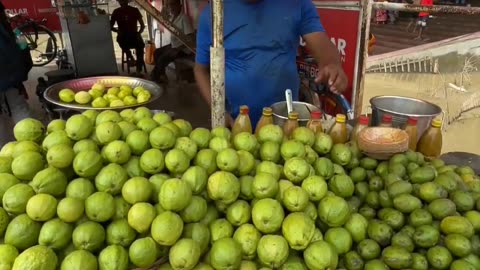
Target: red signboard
37 10
342 26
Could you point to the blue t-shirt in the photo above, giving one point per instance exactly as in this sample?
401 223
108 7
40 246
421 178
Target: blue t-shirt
261 42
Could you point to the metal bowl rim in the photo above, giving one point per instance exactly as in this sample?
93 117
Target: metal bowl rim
85 107
406 98
296 102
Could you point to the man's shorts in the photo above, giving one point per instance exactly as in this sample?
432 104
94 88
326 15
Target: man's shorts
422 21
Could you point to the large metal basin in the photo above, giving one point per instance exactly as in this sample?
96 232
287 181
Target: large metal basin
280 112
401 108
84 84
280 115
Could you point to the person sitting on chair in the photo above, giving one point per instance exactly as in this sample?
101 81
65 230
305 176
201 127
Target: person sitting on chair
129 36
167 54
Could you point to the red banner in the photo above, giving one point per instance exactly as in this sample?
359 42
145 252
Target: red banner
37 10
342 28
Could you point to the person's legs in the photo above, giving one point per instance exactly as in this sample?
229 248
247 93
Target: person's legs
17 105
6 126
140 51
157 71
423 24
167 56
123 43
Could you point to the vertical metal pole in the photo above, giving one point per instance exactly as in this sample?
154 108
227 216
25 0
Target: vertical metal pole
217 66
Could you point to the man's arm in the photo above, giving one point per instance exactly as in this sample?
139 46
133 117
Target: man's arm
328 61
202 60
202 76
322 49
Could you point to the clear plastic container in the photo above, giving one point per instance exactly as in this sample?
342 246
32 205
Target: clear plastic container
430 144
315 122
338 131
242 123
412 131
362 124
290 125
266 119
386 120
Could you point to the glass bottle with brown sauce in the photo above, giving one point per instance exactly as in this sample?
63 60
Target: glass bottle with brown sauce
386 120
242 122
290 125
430 144
412 131
315 122
361 125
338 131
266 119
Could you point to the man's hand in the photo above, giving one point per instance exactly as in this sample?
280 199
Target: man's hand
328 59
333 76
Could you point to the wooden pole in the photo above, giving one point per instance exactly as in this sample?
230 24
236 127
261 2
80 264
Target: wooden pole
217 66
367 15
162 19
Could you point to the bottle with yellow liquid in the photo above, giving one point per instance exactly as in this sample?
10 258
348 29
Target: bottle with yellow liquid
290 125
315 122
242 123
338 131
387 120
430 144
266 119
411 130
361 125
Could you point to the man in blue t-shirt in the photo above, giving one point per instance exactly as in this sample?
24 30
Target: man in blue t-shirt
261 38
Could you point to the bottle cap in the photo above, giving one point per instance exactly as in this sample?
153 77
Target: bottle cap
341 118
267 111
437 123
293 116
412 121
387 118
316 115
363 120
243 109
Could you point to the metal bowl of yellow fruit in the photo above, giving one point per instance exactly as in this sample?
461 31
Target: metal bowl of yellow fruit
103 93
